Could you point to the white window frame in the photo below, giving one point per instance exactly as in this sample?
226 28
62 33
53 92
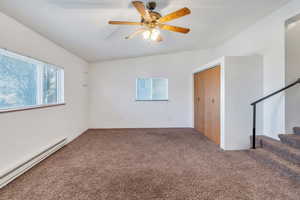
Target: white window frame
151 90
39 95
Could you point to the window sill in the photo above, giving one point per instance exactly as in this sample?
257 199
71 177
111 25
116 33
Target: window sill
152 100
30 108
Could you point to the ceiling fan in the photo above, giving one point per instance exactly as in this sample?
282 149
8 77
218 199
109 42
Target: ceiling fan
152 21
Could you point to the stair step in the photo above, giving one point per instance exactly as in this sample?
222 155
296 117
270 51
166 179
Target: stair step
290 139
284 151
297 130
275 162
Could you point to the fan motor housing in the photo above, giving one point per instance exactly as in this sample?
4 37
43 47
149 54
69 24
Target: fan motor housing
154 15
151 5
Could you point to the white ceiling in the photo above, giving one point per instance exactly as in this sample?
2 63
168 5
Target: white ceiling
80 26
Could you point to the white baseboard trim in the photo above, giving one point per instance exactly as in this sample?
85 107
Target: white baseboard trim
17 171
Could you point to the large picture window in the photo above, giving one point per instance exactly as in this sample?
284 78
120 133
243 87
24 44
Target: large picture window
152 89
26 82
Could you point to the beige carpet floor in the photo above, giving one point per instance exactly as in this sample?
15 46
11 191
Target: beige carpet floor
144 164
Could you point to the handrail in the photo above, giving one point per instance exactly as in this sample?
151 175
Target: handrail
262 99
274 93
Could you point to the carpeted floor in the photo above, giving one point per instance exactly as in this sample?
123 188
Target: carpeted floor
144 164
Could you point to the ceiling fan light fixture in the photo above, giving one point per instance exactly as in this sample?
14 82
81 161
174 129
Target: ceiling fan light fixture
147 34
155 34
151 34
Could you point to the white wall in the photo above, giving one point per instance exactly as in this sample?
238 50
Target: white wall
112 91
243 84
267 38
293 73
24 134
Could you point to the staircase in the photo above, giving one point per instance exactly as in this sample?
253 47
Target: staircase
283 155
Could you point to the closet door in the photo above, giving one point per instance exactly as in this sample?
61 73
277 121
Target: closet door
196 102
212 104
199 109
207 103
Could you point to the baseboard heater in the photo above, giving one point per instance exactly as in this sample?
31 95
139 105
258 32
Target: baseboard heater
12 174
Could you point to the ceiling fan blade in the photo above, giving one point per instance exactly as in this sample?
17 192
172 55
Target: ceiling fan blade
174 28
124 23
137 32
177 14
142 10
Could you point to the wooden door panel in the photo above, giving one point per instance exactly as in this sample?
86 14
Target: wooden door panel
215 82
201 99
208 111
199 102
196 102
207 103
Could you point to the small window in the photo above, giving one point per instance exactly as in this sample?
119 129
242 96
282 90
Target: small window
26 82
152 89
